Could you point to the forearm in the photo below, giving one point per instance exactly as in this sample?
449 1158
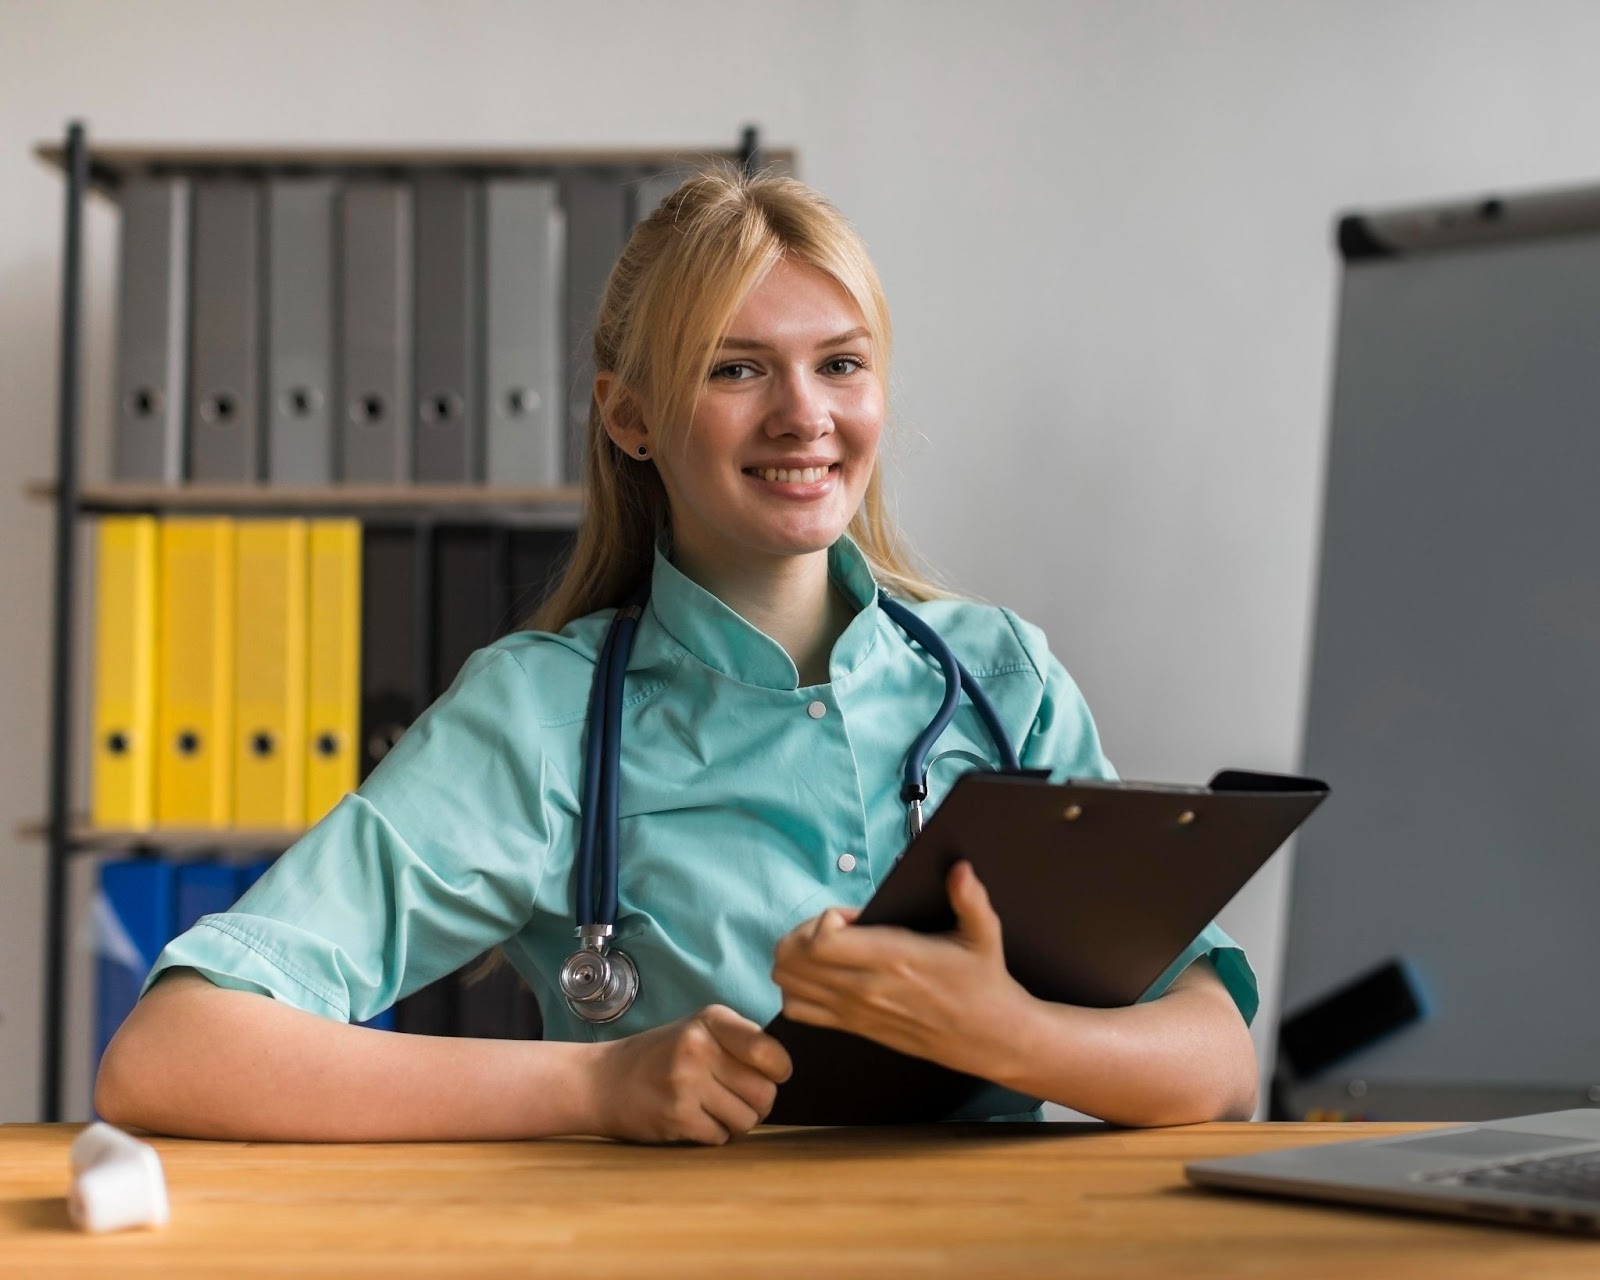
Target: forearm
1184 1058
199 1061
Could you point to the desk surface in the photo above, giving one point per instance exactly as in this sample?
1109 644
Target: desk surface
956 1200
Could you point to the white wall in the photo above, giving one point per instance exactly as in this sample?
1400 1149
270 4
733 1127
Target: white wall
1104 229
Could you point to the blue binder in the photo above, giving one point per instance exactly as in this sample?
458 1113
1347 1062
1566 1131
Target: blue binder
134 920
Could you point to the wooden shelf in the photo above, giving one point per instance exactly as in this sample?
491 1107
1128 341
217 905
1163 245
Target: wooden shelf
82 836
555 506
110 165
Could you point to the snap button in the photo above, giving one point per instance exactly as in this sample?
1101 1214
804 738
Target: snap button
817 710
847 862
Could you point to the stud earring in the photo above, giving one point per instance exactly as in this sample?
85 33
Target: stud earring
643 452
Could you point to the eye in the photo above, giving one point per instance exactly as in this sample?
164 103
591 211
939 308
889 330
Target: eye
734 372
845 364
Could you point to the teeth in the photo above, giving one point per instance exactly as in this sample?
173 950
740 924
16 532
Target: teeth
807 475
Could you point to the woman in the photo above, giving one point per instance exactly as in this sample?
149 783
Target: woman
768 704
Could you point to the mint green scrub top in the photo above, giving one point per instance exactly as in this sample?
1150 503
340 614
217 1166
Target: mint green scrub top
747 804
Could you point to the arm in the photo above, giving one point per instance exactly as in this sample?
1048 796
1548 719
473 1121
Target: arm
1182 1058
200 1061
1179 1059
197 1060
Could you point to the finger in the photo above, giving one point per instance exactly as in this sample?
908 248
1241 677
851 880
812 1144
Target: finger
742 1039
975 915
754 1088
810 1012
862 949
728 1111
830 921
817 990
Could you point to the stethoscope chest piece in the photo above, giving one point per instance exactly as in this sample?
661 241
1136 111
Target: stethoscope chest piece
600 983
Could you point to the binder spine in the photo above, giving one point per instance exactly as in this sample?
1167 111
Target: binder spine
300 397
122 791
152 329
524 409
447 425
270 673
224 383
375 306
333 697
194 760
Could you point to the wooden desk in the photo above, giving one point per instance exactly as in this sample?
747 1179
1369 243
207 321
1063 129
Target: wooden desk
949 1200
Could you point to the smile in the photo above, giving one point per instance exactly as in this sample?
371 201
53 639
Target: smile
806 475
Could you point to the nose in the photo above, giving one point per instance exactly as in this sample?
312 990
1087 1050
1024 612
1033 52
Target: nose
801 407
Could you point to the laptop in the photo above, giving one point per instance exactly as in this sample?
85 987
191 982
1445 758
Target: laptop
1537 1171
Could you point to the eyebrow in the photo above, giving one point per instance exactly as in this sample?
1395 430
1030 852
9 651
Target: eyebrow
752 344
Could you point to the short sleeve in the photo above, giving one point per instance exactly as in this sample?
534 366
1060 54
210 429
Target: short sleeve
429 864
1064 740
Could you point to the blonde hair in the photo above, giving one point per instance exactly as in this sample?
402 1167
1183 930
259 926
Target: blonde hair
667 304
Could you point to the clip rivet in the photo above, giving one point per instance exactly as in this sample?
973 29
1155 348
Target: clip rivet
1072 812
1186 817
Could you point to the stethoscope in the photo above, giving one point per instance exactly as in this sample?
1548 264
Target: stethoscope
600 981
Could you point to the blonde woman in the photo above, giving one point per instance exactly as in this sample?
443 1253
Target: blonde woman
766 710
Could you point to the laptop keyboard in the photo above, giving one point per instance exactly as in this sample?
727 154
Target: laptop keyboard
1574 1177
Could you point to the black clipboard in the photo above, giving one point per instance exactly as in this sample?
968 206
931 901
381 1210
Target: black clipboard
1099 886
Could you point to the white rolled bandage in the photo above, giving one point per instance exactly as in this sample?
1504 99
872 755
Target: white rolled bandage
116 1181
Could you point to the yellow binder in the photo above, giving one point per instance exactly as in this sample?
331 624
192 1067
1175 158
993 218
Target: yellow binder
269 767
333 686
122 789
194 661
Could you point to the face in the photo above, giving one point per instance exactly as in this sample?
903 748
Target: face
782 444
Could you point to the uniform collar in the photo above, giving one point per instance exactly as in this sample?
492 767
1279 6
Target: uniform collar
725 642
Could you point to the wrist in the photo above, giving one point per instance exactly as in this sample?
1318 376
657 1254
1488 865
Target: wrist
591 1094
1028 1028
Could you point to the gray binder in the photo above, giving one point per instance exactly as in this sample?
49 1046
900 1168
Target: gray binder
152 313
224 363
597 211
525 257
300 397
374 374
446 415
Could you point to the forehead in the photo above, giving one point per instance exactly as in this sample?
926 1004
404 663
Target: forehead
795 303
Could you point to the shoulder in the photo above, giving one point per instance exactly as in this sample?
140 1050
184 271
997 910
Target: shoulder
543 672
989 639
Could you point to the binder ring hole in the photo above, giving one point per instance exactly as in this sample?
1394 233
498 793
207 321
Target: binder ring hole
261 744
367 409
327 745
1186 817
219 408
188 742
445 406
302 402
144 403
117 744
1072 812
520 401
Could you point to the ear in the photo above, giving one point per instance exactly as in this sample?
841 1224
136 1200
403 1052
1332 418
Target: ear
619 411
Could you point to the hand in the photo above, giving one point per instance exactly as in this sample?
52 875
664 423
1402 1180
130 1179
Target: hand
703 1078
946 997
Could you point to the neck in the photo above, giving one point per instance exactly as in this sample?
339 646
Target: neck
786 597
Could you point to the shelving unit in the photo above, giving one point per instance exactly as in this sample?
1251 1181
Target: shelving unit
103 171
